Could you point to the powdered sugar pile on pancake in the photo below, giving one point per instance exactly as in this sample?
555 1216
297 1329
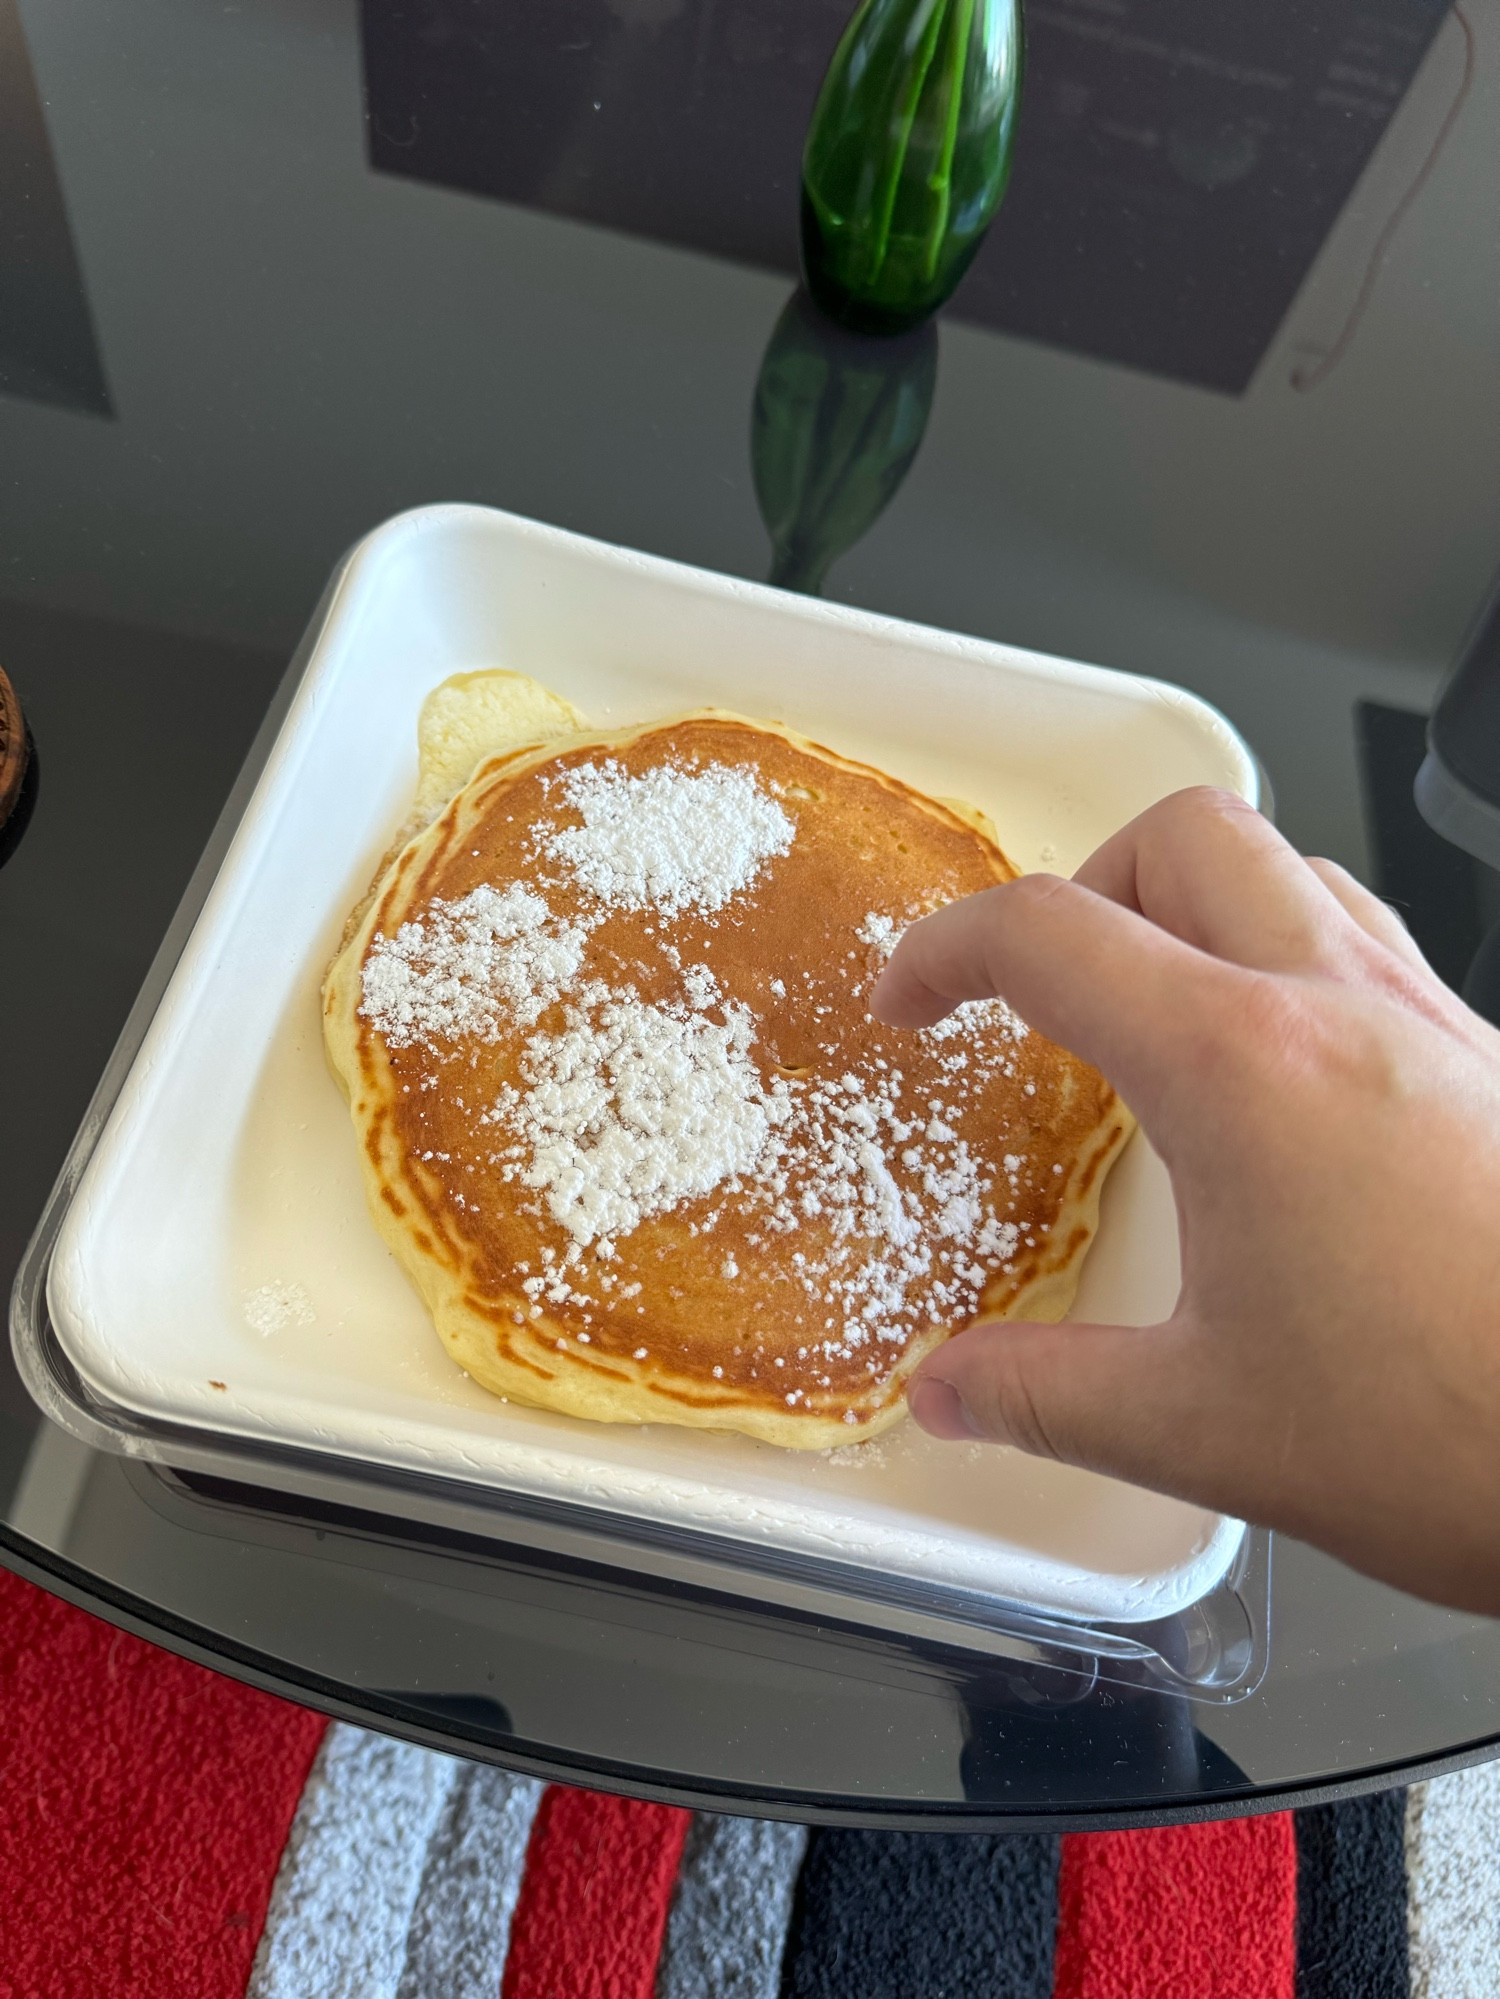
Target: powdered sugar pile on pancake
669 839
468 962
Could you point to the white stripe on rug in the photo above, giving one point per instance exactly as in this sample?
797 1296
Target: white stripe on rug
460 1924
730 1913
342 1903
1452 1878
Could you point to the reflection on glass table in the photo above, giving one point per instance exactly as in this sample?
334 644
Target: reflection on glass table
837 421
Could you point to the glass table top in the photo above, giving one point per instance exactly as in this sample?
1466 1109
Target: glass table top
1219 401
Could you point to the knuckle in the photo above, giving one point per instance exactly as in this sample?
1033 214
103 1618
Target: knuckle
1033 890
1332 872
1203 802
1012 1410
1025 1424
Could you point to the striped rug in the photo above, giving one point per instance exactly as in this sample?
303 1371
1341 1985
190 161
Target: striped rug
168 1834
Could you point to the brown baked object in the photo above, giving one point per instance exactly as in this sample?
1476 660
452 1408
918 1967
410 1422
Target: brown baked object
14 750
624 1117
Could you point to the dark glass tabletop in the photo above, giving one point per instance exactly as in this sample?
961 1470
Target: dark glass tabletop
1219 401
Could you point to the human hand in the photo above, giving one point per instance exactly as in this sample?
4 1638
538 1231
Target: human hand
1330 1116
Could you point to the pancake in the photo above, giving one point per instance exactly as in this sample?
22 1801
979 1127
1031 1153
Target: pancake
624 1117
465 719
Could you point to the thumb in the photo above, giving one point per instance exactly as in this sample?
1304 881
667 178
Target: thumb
1136 1402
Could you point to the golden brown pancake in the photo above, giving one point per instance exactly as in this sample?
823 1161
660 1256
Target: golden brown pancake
624 1116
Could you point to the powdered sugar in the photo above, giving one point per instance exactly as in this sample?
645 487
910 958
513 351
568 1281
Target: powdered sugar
670 839
896 1256
633 1108
990 1016
621 1107
271 1308
883 933
468 963
880 931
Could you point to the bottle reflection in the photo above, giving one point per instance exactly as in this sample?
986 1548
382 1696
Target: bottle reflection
837 421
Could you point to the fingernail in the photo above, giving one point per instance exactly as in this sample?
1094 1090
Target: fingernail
940 1410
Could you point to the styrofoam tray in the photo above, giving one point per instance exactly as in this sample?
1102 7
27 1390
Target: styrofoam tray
224 1196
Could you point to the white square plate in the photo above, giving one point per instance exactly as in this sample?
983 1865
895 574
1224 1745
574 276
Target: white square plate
217 1266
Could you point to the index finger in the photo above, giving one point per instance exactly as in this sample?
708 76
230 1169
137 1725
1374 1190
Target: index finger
1088 974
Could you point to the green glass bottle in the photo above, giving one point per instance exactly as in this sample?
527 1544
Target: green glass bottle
907 156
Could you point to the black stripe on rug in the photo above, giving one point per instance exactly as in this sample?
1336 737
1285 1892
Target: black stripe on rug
910 1915
1351 1899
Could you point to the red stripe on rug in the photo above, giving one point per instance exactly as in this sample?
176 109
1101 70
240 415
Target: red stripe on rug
594 1898
1179 1912
144 1804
